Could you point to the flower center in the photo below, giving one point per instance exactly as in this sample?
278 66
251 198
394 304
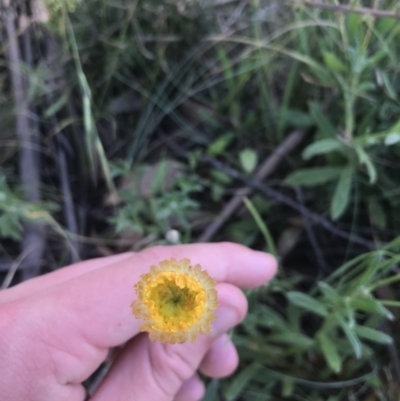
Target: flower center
176 301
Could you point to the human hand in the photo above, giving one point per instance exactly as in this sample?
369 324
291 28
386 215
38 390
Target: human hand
57 329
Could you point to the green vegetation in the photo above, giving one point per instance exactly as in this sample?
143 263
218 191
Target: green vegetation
162 110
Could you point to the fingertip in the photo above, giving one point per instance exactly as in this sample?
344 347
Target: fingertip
266 264
221 360
232 297
191 390
253 268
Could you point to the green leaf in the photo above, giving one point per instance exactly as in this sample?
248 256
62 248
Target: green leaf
262 226
373 335
248 160
384 25
323 124
364 159
321 147
287 387
56 106
270 318
220 177
313 176
392 139
351 336
329 292
240 381
369 304
333 62
342 192
10 225
211 391
219 145
297 339
330 352
376 212
297 119
323 76
391 91
354 27
306 302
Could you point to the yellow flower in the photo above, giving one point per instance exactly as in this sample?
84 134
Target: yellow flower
176 301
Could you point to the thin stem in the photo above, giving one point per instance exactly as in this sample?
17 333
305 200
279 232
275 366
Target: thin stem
386 281
348 9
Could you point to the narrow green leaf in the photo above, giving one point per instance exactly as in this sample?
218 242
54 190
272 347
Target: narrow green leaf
287 387
296 339
219 145
239 382
333 62
355 27
364 159
313 176
268 317
306 302
373 335
351 336
392 304
384 25
342 192
297 119
321 147
211 391
391 91
56 106
323 124
369 304
262 226
330 352
328 291
376 212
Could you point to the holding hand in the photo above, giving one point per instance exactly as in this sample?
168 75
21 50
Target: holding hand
57 329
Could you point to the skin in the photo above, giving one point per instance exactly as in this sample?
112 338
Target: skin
55 330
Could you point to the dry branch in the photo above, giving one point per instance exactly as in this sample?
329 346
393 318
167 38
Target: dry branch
264 171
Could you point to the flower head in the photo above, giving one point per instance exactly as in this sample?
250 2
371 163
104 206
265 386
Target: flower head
176 301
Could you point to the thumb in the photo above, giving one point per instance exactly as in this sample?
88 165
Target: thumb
148 370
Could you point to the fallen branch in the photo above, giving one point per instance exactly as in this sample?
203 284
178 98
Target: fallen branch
319 255
264 171
278 196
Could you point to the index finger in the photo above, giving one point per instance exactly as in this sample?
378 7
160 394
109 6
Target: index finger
98 303
224 261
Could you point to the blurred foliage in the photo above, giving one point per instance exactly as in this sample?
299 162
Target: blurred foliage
14 210
156 199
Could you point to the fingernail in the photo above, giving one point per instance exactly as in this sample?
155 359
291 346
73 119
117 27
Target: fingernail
227 317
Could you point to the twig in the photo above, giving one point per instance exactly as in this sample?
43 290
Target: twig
52 58
34 234
69 210
235 16
14 267
311 236
264 171
289 202
348 9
